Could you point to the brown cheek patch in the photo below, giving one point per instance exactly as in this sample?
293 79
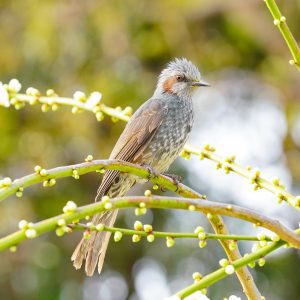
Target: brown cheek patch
168 84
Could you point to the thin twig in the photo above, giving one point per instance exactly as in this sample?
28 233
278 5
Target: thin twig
280 22
162 234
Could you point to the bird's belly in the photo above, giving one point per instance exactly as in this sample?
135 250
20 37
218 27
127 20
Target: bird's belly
167 144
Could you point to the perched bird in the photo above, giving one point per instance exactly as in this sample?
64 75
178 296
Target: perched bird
154 136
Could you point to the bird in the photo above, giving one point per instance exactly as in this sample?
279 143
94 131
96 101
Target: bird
153 137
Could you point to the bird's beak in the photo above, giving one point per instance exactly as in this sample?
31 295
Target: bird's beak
200 83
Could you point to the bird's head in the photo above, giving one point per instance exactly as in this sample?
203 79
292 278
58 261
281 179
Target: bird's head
179 78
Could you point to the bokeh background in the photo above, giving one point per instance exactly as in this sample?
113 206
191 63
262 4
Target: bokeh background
118 48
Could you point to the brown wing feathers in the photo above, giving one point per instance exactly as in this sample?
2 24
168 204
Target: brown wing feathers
134 139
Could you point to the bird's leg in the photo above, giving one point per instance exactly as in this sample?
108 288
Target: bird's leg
176 179
151 170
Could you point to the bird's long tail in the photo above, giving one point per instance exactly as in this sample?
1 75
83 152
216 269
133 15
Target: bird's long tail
93 249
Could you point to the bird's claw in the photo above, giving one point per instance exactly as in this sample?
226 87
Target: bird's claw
151 170
177 179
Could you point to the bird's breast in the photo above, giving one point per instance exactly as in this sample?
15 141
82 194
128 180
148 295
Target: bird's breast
171 136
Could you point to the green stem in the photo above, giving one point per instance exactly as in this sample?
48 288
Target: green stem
232 166
125 202
220 273
95 165
161 234
280 21
24 98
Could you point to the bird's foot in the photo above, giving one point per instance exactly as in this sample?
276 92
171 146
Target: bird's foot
176 179
151 170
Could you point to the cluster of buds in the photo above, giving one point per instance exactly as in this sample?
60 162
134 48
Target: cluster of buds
185 154
205 151
141 209
138 226
281 197
149 230
89 158
197 276
70 207
8 92
255 179
75 174
209 148
277 183
106 201
277 22
14 86
62 228
28 228
201 236
19 192
228 161
39 170
49 182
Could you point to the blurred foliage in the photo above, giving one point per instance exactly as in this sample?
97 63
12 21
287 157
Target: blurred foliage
118 47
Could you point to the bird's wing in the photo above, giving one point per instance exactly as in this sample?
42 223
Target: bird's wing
134 139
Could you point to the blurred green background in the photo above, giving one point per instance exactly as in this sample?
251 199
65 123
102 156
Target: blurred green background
119 48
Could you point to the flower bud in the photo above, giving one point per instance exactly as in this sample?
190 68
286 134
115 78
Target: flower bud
30 233
197 276
99 227
70 207
61 222
148 228
118 236
136 238
223 262
202 243
150 238
147 193
170 242
229 269
79 96
23 224
138 225
199 229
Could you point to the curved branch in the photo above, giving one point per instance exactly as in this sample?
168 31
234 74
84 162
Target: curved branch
155 202
94 166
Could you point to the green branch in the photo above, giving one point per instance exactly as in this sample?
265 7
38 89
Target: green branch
205 206
72 214
253 175
43 175
161 234
223 272
280 22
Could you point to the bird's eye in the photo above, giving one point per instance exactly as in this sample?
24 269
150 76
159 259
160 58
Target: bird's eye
179 78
